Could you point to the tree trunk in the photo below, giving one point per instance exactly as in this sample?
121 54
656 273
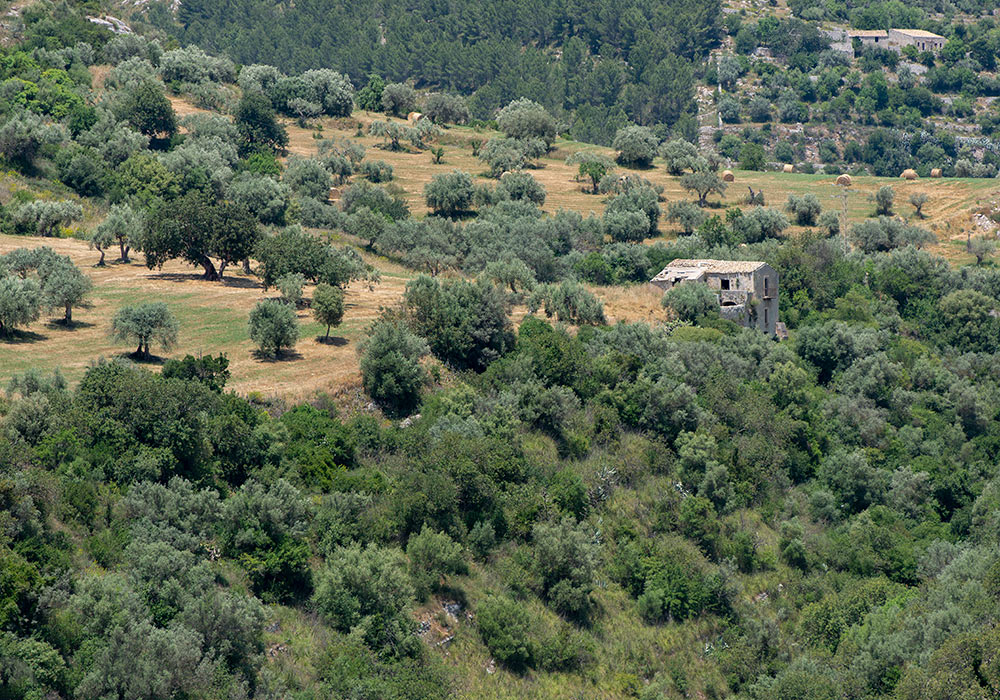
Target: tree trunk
211 273
138 350
100 263
124 252
222 269
246 266
69 314
327 337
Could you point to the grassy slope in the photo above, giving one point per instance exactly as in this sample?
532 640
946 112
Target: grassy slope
213 316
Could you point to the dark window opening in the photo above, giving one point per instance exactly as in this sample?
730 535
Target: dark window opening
765 318
723 284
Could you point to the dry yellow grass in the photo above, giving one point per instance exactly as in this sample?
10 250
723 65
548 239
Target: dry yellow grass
213 315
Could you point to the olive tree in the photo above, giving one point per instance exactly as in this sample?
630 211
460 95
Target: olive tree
446 108
64 286
918 200
703 183
390 366
398 99
687 214
690 301
591 165
123 225
20 302
805 208
393 133
273 327
44 215
23 135
636 146
679 155
526 119
449 194
886 233
307 177
884 199
328 306
146 109
143 323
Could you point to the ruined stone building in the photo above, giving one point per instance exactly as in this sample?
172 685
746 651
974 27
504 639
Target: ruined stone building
747 290
924 41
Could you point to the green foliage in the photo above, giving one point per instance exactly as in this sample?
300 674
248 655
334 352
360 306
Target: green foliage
805 208
368 590
398 99
691 301
886 233
144 323
328 306
449 194
466 324
258 129
636 146
526 119
703 183
569 302
433 555
273 326
210 370
689 215
884 199
146 109
390 367
503 626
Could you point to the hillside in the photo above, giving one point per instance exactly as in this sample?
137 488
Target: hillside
307 396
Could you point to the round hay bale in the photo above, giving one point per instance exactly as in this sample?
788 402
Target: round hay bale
909 174
935 172
788 168
844 180
334 194
727 176
414 117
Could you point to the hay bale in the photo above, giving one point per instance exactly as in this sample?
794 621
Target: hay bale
414 117
334 194
788 168
844 180
935 172
909 174
727 176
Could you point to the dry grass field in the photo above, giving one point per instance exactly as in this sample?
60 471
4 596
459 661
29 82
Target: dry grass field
213 315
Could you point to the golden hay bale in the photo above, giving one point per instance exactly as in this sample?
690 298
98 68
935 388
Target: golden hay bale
334 194
727 176
935 172
909 174
788 168
844 180
414 117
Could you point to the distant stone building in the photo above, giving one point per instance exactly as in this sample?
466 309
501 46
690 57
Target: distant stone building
748 291
870 37
924 41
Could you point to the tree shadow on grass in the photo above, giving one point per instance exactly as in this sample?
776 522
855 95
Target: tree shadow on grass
140 359
59 324
283 356
238 282
18 337
334 340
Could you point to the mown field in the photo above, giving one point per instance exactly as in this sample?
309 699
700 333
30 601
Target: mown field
213 315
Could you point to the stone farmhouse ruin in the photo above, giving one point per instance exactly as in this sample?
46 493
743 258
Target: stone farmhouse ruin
747 290
895 39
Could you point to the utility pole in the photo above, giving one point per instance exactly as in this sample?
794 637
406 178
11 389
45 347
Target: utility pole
843 197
